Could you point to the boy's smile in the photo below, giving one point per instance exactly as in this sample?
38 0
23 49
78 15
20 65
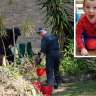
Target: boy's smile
90 10
91 16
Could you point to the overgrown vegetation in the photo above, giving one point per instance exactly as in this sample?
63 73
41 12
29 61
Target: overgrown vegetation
12 82
71 65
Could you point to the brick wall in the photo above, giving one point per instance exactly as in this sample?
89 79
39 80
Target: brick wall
20 9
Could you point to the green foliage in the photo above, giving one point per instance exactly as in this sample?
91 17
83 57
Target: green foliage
91 62
18 62
11 72
69 48
22 69
16 75
43 62
56 15
74 66
27 28
28 75
41 66
71 65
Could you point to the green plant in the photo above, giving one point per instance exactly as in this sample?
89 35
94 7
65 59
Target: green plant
43 62
71 65
11 71
74 66
28 30
69 48
18 62
41 66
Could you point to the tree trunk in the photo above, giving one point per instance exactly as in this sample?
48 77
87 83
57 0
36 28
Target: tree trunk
62 40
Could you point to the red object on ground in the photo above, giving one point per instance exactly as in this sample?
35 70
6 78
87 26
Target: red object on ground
46 90
37 86
41 72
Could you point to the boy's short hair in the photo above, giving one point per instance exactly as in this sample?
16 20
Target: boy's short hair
85 0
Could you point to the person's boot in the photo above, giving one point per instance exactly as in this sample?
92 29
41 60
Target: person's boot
59 86
52 89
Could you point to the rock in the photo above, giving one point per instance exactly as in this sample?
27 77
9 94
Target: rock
68 79
86 77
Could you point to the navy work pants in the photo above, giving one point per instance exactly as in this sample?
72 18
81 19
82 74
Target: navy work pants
52 65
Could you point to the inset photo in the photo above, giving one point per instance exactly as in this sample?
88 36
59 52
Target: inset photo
85 28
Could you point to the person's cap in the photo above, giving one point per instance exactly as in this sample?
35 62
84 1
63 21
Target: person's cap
41 29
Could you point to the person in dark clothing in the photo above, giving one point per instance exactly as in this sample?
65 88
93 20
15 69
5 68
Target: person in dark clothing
9 43
50 47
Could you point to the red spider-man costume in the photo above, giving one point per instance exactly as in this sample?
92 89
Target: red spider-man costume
85 33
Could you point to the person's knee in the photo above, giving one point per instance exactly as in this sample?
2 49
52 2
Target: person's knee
90 44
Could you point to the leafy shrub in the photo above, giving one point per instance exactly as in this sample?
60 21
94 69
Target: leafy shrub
71 65
74 66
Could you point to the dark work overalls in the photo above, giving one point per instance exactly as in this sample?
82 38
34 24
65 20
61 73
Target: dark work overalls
50 46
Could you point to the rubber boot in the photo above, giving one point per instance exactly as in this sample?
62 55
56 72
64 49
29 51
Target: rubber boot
59 86
52 89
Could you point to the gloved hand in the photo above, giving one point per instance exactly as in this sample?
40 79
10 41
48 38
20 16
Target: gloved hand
39 53
40 61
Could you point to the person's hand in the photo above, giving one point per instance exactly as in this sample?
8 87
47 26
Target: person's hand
40 61
84 52
10 46
39 53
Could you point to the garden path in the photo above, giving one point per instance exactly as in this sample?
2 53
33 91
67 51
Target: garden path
77 89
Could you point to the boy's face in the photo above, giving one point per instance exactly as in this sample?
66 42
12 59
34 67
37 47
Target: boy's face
90 10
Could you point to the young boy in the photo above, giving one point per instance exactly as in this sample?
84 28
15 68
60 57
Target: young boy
86 28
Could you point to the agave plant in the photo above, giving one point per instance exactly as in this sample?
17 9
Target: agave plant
28 30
